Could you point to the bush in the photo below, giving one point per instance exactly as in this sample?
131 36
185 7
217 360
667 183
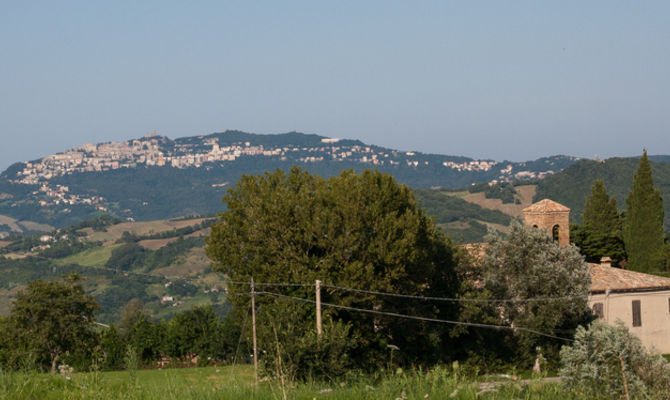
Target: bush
609 361
293 349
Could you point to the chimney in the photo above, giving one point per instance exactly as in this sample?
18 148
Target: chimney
606 262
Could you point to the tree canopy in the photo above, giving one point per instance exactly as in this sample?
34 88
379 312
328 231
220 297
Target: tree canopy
529 264
601 235
643 224
361 231
52 318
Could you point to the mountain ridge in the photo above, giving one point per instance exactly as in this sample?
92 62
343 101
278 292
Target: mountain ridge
156 177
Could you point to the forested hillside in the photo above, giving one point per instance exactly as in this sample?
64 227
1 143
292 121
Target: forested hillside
462 220
571 186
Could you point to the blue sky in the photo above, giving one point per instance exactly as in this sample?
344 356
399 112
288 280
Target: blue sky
504 80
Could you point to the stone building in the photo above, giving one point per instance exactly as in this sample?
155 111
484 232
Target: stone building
640 301
550 216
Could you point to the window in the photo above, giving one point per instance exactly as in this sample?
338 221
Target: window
598 310
554 232
637 315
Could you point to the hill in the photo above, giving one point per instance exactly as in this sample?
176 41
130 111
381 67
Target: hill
571 186
155 177
162 263
462 220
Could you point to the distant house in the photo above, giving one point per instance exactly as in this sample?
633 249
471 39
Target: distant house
641 301
167 299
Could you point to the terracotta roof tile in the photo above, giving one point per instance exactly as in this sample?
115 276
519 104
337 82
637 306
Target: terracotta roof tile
604 277
544 206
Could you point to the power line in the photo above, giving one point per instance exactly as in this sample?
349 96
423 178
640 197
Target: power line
419 318
372 292
270 284
456 299
364 291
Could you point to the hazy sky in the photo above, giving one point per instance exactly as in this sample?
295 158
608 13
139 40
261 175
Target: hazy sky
499 79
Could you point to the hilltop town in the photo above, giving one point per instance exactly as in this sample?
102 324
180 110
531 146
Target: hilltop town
201 151
151 150
113 177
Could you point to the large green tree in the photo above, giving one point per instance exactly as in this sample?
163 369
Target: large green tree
51 319
643 223
361 231
601 234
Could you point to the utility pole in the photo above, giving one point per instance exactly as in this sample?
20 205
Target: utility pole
253 328
318 308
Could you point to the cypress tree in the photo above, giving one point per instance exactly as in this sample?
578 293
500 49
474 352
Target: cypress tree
643 224
602 230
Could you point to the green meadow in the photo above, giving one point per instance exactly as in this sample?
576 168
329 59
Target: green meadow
238 383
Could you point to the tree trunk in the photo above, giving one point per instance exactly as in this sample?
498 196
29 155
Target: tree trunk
54 361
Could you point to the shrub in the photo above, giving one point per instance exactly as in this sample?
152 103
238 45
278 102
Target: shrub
296 351
609 361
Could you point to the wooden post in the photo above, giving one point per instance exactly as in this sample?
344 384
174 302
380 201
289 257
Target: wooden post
253 328
318 307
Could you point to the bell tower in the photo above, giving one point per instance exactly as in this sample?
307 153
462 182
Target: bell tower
550 216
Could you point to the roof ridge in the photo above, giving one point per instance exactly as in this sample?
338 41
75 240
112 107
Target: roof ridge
546 205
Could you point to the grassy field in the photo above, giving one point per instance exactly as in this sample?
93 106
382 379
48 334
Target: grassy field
195 262
155 244
94 257
238 383
139 228
525 195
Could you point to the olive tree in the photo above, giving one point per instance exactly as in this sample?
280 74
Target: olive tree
611 362
545 287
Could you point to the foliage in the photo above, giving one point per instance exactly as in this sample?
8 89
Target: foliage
169 253
132 313
52 319
132 363
502 190
66 247
446 209
178 232
643 225
132 256
609 360
126 257
570 186
112 348
197 331
528 264
298 352
601 234
98 223
361 231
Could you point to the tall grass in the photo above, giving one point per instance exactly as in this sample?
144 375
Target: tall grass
222 383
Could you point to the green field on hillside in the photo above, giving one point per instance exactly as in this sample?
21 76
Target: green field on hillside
94 257
238 383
